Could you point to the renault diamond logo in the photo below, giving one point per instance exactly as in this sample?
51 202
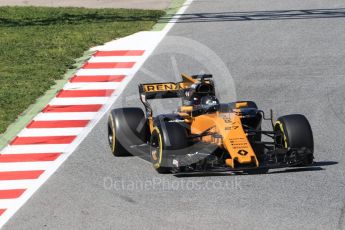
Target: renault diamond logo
242 152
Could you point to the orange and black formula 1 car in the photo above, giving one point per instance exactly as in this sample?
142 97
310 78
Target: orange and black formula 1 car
205 135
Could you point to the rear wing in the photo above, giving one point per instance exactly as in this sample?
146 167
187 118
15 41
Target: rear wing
162 90
169 89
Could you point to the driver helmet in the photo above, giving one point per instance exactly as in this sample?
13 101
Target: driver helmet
209 100
210 103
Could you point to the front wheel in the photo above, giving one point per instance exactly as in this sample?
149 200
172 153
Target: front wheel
296 133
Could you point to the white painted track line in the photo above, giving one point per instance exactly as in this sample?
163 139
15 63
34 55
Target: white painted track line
149 40
21 149
79 101
100 72
93 85
40 132
65 116
8 203
24 166
16 184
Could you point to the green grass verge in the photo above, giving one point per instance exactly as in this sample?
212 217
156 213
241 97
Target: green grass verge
38 45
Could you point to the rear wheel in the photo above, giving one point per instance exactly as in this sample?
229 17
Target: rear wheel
167 140
126 127
295 133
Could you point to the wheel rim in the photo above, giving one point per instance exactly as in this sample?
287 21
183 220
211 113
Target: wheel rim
156 149
111 134
281 139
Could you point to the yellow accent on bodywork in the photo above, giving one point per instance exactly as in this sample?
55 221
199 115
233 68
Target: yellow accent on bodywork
151 126
241 105
188 79
186 109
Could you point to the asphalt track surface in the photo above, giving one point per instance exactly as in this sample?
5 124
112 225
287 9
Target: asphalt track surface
285 55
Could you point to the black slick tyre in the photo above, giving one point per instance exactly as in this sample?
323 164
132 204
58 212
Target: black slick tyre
126 127
296 133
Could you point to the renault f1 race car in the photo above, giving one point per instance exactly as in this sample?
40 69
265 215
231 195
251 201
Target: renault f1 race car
205 135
